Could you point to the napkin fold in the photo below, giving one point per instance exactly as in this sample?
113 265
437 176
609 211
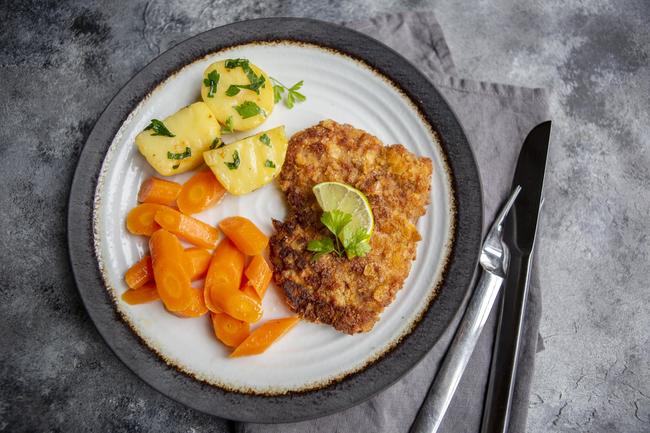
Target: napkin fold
496 119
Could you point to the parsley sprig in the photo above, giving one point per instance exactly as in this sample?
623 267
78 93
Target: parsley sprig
352 243
159 128
293 95
212 81
248 109
256 82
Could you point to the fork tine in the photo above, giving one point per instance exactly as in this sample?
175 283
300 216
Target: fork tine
504 211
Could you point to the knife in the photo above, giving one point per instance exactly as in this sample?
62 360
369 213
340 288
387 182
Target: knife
519 235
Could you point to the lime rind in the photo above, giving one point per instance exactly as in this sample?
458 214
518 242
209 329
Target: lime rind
339 196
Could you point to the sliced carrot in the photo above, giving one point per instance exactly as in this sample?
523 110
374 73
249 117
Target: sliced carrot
199 261
259 275
197 307
190 229
243 307
140 220
202 191
250 291
229 331
245 235
170 267
261 338
139 274
144 294
154 190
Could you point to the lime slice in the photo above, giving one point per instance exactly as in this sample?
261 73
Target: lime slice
339 196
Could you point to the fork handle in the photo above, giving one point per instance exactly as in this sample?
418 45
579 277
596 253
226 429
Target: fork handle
460 351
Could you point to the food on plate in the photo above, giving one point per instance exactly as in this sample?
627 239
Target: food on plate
201 192
176 144
191 229
140 220
160 191
142 295
229 331
258 274
348 294
170 270
239 94
196 307
244 234
248 164
261 338
292 94
139 274
199 260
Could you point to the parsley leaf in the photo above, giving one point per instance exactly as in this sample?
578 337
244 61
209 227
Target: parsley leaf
321 247
352 244
159 128
182 155
217 143
232 90
269 164
256 82
227 128
248 109
335 221
212 81
235 161
356 244
264 138
293 95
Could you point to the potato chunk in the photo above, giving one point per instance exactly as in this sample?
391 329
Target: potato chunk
194 128
248 164
246 108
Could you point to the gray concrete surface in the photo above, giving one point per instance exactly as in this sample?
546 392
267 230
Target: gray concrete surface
61 62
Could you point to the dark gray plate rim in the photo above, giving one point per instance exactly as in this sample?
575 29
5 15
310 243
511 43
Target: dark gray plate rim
357 387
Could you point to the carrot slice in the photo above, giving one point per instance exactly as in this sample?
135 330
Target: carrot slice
190 229
197 307
199 262
139 274
170 267
229 331
259 275
245 235
140 220
144 294
202 191
250 291
154 190
243 307
261 338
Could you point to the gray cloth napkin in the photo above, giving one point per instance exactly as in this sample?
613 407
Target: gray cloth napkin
496 119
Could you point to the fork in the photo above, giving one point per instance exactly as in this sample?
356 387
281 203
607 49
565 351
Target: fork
494 260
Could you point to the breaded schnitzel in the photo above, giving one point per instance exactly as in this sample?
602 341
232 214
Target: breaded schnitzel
348 294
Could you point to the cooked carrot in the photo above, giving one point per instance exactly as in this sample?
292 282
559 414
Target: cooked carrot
170 267
249 290
144 294
261 338
140 220
190 229
202 191
245 235
229 331
199 261
154 190
243 307
139 274
259 275
197 307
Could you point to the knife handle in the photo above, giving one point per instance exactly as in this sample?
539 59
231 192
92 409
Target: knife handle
451 370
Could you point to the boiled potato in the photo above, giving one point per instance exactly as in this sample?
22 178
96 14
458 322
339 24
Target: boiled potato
245 165
246 109
194 129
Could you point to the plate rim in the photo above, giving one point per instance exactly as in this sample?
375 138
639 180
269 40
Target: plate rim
354 388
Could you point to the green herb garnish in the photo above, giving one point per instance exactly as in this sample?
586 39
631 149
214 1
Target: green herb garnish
293 95
235 161
217 143
352 244
256 82
212 81
228 126
176 166
248 109
159 128
269 164
265 139
183 155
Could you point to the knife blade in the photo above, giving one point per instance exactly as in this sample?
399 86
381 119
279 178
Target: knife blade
519 234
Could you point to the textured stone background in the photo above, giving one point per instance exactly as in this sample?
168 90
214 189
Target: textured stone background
61 62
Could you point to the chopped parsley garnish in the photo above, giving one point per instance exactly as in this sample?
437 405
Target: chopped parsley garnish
217 143
159 128
176 166
352 244
227 128
293 95
255 82
269 164
235 161
265 139
182 155
212 81
248 109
